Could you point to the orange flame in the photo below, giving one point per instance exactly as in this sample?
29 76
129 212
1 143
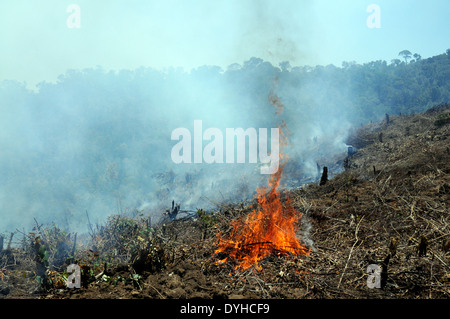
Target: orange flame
267 231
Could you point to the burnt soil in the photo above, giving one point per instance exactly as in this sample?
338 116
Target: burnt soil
389 207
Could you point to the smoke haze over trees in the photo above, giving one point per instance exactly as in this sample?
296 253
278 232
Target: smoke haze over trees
99 141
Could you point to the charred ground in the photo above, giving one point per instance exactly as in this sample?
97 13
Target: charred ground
389 207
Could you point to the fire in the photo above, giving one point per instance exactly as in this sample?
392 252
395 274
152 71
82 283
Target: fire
269 230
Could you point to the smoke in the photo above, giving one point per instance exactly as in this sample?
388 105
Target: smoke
275 32
100 141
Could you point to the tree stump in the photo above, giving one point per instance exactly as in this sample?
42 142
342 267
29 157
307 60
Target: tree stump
324 178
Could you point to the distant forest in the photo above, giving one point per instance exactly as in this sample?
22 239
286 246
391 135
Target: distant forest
370 89
99 141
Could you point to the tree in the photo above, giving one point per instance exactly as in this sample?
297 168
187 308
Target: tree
253 63
396 62
347 64
417 56
406 55
234 67
285 66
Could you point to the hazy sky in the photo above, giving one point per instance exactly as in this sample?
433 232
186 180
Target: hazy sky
36 43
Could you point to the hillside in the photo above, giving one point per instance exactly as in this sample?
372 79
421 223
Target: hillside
389 207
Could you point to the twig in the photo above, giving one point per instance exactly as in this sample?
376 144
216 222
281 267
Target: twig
351 250
162 297
100 275
89 224
38 227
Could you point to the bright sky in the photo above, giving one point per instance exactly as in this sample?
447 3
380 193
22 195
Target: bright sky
36 43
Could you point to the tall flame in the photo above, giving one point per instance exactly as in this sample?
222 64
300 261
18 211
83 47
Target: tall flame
269 230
